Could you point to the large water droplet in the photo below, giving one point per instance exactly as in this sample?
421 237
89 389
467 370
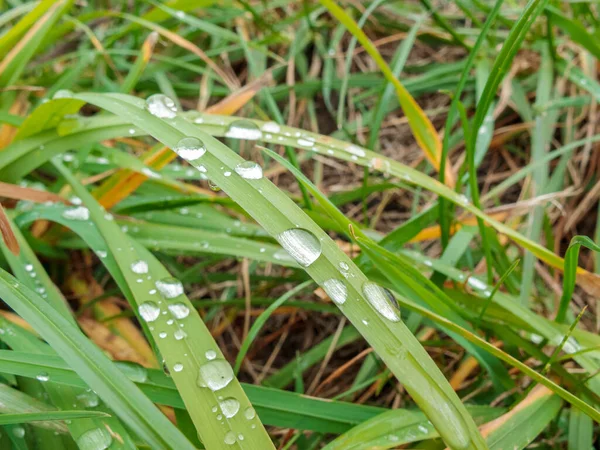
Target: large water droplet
149 311
169 287
215 374
88 399
249 413
62 93
271 127
190 148
301 244
96 439
230 407
18 432
243 129
230 438
139 267
179 310
337 290
78 213
133 371
382 300
161 106
249 170
42 376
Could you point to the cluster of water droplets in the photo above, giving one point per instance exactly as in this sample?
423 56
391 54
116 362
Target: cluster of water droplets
77 213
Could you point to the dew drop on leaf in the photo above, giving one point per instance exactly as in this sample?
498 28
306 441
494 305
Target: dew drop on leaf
243 129
95 439
77 213
382 300
190 148
149 311
249 170
161 106
139 267
215 374
230 438
301 244
42 376
169 287
230 407
336 290
249 413
179 310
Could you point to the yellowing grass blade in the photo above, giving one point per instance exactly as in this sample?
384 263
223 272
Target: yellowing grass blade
422 128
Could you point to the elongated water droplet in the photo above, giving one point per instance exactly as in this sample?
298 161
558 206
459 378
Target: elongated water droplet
133 371
243 129
42 376
230 438
190 148
78 213
271 127
336 290
96 439
139 267
62 93
301 244
169 287
382 300
149 311
179 310
249 413
249 170
215 374
161 106
230 407
210 354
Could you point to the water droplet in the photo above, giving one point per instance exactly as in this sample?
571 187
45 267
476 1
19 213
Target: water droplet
19 432
356 151
96 439
139 267
169 287
161 106
149 311
62 93
190 148
305 143
210 354
249 170
43 376
28 267
78 213
133 371
230 407
230 438
336 290
477 284
179 310
249 413
382 300
88 399
179 335
178 367
162 335
243 129
271 127
215 374
301 244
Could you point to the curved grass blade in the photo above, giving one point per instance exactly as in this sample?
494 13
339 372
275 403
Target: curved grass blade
91 364
322 260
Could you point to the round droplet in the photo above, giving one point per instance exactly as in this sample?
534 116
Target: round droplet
179 335
161 106
336 290
301 244
169 287
78 213
210 354
271 127
179 310
133 371
95 439
178 367
215 374
230 407
139 267
243 129
29 267
249 413
249 170
190 148
62 93
18 432
88 399
42 376
149 311
230 438
382 300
